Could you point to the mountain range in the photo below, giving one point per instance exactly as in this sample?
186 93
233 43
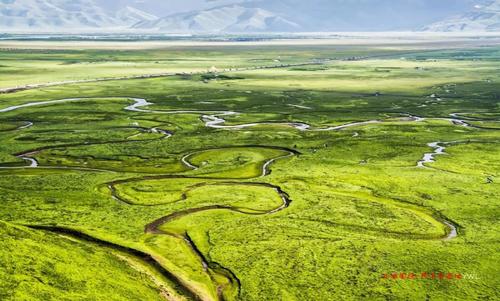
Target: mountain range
229 18
482 18
64 15
247 16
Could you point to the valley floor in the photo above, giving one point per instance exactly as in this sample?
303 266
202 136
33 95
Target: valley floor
264 172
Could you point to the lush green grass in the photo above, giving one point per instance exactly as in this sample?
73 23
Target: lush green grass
43 266
360 207
24 66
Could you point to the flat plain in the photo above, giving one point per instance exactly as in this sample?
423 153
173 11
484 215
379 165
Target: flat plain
260 172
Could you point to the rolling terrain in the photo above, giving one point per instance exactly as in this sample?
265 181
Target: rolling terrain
245 16
249 173
483 17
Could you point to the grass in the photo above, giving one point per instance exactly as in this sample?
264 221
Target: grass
30 66
360 207
48 265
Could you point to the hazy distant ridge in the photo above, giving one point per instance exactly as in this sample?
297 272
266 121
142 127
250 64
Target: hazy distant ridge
44 15
231 18
250 16
481 18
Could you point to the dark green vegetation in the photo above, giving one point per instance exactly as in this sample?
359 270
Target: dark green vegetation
167 201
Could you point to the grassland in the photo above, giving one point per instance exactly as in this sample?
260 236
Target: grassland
247 185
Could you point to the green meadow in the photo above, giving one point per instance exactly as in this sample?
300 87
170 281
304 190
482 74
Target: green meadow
284 173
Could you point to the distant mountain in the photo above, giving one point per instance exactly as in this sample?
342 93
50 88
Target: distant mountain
64 15
363 15
230 18
130 15
246 16
311 16
482 18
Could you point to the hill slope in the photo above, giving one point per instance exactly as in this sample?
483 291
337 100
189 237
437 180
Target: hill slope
62 15
231 18
247 16
482 18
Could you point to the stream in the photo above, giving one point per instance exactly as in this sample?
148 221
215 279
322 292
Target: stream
214 119
430 157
